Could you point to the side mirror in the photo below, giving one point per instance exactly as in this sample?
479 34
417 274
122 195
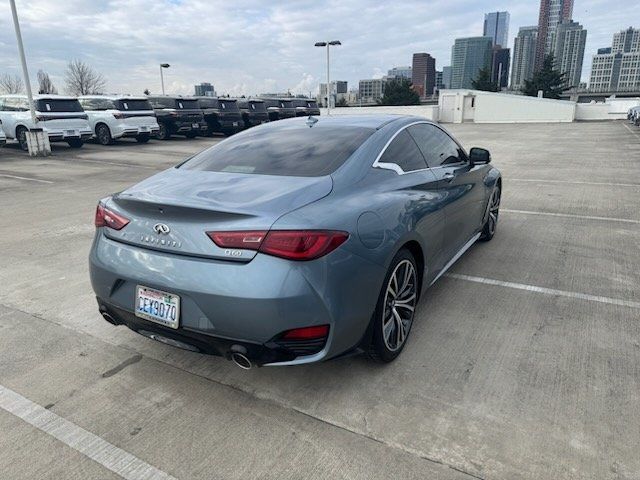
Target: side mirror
479 156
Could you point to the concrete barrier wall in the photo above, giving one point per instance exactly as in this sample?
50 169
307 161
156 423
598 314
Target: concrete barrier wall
427 111
503 108
594 111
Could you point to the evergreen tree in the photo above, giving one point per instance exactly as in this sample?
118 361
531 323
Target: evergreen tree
484 83
398 91
548 79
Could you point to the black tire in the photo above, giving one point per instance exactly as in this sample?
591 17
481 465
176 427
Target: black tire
385 343
21 136
103 134
143 138
191 134
489 227
163 133
75 143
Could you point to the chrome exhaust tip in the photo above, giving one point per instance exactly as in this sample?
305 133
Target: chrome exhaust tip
241 360
109 318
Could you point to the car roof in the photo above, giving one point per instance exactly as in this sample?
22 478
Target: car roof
115 97
41 96
375 121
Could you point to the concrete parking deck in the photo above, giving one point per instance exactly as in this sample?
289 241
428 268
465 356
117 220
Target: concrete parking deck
524 361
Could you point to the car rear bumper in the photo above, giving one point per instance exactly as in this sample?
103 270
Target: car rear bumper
64 135
134 131
226 303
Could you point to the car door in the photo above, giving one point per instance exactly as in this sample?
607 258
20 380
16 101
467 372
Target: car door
460 182
422 208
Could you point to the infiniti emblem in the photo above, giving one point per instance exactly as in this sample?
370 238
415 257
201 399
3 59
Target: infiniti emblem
161 228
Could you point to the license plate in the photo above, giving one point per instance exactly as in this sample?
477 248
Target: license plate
235 124
71 133
157 306
195 125
144 129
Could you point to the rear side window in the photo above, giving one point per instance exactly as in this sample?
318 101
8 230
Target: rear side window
404 152
438 148
92 104
15 104
208 103
133 105
162 102
56 105
291 151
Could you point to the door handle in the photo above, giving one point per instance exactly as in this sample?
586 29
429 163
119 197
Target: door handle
447 177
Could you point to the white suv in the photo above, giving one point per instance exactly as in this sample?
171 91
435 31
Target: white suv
117 116
61 118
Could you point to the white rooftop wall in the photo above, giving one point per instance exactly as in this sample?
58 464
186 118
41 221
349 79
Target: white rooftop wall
428 111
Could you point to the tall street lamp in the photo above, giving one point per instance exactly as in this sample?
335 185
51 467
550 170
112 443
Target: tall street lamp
328 44
163 65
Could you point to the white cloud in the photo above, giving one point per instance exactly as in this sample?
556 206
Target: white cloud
252 46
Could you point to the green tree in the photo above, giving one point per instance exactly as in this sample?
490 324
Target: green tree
342 102
548 79
483 82
399 92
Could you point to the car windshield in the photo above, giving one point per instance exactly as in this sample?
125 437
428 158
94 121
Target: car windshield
186 104
58 105
139 104
296 151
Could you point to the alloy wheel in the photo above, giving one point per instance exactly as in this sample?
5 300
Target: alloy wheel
494 210
399 305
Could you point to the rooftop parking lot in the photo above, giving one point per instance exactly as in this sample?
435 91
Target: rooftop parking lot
524 361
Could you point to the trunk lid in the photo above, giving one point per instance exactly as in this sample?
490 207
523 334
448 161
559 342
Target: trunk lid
191 202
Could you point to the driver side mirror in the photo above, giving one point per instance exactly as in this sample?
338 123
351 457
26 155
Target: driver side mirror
479 156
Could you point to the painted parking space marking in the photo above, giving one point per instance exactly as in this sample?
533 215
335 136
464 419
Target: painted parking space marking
92 446
570 182
569 215
629 128
546 291
18 177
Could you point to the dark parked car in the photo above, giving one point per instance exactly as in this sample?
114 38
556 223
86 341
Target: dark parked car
221 114
294 242
279 108
178 116
305 107
254 111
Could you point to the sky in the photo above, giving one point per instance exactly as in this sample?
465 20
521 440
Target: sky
250 47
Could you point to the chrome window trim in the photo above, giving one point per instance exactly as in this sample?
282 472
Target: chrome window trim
397 168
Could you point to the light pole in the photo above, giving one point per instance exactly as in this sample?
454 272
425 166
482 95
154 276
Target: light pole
37 141
328 44
163 65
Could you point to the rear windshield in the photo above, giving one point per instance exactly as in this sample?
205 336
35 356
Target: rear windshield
312 104
229 105
208 103
286 104
56 105
299 103
187 104
126 104
297 151
257 107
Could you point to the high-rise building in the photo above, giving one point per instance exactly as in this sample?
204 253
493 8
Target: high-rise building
400 72
552 13
205 89
371 90
496 26
524 54
337 86
569 51
446 77
500 66
619 69
439 84
468 57
423 74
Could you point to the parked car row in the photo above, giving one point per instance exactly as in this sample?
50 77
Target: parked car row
110 117
634 115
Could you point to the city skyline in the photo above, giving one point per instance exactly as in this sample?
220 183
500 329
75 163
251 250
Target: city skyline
275 52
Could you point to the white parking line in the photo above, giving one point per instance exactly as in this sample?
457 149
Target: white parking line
569 215
570 182
25 178
629 128
547 291
109 456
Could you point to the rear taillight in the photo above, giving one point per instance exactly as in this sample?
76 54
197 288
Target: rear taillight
119 116
306 333
40 118
289 244
106 218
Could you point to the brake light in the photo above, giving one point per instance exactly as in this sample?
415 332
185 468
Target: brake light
289 244
306 333
106 218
